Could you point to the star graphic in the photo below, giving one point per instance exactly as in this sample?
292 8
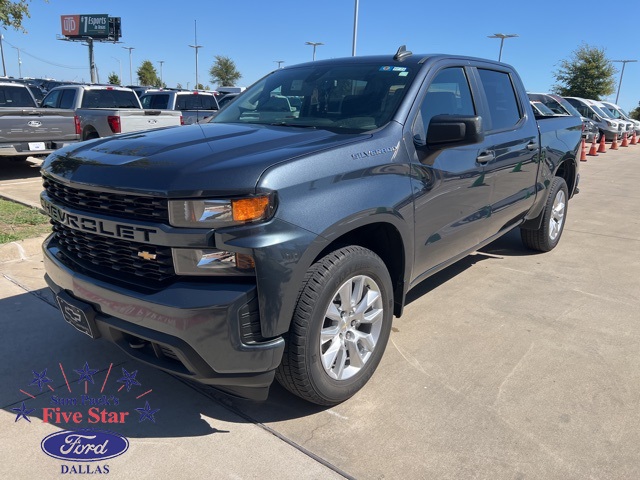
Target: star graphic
23 412
40 379
146 412
86 373
129 379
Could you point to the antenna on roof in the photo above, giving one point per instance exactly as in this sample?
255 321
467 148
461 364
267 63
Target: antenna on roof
402 52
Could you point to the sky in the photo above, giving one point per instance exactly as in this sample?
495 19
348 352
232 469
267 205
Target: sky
257 33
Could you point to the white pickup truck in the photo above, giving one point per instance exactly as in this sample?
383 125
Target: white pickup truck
26 129
194 106
104 110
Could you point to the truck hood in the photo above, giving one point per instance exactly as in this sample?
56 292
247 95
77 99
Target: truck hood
209 159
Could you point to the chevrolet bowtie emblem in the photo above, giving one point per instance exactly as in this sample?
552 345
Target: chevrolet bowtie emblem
147 255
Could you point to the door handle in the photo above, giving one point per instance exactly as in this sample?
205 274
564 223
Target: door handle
485 157
531 146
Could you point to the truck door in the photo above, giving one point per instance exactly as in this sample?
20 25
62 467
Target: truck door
451 198
511 133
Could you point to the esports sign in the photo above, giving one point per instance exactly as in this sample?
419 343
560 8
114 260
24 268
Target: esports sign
95 26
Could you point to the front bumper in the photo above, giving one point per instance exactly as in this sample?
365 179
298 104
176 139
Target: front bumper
200 331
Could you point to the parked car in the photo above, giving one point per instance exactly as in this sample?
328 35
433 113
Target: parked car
627 126
620 114
226 99
607 126
26 129
280 239
195 106
560 106
104 110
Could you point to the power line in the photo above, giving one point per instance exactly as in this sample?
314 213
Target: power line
24 52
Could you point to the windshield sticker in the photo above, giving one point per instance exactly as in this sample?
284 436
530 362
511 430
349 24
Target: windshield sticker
386 69
399 69
403 74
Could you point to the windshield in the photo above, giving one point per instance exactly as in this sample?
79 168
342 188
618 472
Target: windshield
542 109
566 105
602 111
340 98
615 113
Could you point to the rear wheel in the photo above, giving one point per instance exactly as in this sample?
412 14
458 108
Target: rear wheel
548 235
340 327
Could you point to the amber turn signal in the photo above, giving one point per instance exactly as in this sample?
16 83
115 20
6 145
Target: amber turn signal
250 209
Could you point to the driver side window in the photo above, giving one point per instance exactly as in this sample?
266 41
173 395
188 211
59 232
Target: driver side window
448 94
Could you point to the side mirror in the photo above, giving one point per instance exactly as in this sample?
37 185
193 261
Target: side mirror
455 130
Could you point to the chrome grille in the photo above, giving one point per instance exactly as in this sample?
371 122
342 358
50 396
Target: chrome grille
123 205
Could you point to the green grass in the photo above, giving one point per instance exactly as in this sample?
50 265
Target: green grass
18 222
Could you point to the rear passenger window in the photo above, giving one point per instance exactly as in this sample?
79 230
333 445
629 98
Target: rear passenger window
501 98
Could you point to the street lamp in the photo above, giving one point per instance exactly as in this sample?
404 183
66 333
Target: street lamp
19 62
502 36
279 62
314 45
624 62
130 66
161 62
197 47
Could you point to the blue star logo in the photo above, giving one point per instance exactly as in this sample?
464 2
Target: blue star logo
129 379
147 413
40 379
23 412
86 373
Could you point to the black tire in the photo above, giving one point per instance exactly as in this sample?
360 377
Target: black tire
554 218
91 135
302 370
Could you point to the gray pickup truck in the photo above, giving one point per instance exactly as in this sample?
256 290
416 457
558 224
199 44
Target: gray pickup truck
104 110
279 240
26 129
195 107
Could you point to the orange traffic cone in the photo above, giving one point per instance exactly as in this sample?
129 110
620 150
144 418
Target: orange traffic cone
614 144
602 148
593 152
583 153
634 140
625 140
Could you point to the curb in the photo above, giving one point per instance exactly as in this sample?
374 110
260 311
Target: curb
9 198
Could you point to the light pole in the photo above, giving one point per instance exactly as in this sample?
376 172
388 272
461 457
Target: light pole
314 45
197 47
161 62
119 67
502 36
355 29
4 69
19 62
279 62
624 63
130 65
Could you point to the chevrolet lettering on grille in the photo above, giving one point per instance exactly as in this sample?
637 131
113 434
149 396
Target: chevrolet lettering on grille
100 227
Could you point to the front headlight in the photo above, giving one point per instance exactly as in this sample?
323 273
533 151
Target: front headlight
210 213
609 123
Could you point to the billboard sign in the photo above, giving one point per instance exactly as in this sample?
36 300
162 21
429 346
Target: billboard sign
96 26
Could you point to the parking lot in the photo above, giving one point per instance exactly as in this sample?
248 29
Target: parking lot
509 364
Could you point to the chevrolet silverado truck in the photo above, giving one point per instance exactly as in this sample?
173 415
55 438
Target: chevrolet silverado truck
104 110
195 107
26 129
280 239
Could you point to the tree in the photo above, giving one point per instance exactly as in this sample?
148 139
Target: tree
147 74
12 13
114 79
588 74
224 72
635 113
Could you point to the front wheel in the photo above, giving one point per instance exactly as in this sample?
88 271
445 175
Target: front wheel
340 327
548 235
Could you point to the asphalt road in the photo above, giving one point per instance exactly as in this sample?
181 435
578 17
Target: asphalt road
507 365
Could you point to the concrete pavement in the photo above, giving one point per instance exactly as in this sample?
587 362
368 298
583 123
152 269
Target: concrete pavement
506 365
